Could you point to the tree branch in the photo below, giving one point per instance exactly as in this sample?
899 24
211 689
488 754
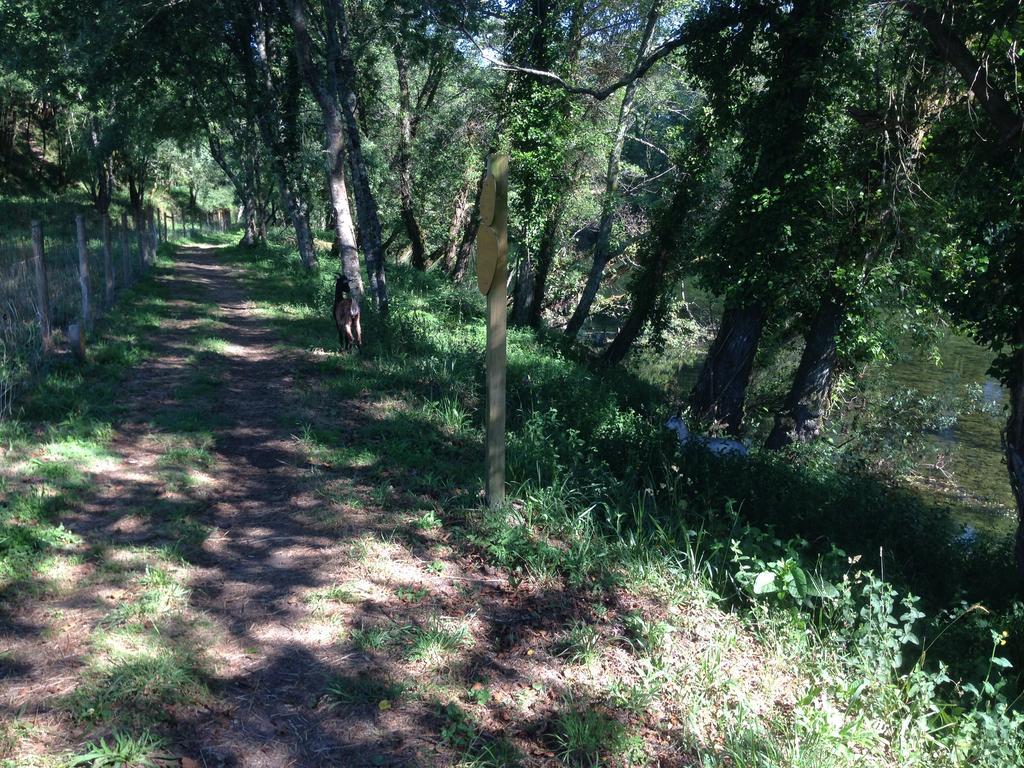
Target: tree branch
600 94
955 52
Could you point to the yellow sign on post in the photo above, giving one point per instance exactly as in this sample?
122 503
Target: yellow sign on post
492 279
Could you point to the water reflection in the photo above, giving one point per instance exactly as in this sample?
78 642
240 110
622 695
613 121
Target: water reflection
969 450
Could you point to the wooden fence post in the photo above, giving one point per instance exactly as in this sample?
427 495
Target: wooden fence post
126 257
108 263
83 272
154 239
42 290
141 235
174 226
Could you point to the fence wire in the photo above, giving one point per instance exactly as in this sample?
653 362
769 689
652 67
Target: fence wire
21 343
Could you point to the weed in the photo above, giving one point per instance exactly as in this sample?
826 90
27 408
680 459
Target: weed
364 691
411 595
590 737
461 734
580 645
123 750
437 641
428 521
479 694
644 637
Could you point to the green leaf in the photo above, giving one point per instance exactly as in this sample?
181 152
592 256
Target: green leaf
764 583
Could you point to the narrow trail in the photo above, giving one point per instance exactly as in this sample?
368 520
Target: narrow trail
264 554
268 540
262 562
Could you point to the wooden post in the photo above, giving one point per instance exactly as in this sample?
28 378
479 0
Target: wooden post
154 237
174 228
140 234
165 226
126 257
83 272
492 278
42 289
76 340
108 263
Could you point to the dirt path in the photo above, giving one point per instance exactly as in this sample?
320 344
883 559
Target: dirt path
263 555
262 628
272 557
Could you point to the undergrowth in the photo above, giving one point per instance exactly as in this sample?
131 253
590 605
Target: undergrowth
820 563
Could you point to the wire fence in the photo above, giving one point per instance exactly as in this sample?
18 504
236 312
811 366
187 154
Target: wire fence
56 281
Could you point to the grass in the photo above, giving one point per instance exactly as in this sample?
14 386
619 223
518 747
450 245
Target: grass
364 691
377 637
474 748
591 738
602 502
580 645
324 600
630 604
122 750
438 641
135 677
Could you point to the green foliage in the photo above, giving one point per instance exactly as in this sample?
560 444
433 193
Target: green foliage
590 737
463 735
123 751
580 645
437 641
364 691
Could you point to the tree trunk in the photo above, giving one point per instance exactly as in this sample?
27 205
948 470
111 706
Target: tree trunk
1013 446
465 249
296 209
136 190
645 292
522 297
804 409
720 391
335 149
103 189
602 248
462 209
545 259
367 216
243 184
270 121
627 335
412 226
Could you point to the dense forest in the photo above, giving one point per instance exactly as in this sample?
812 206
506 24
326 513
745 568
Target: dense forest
793 231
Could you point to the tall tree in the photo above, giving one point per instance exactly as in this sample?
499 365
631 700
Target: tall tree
981 177
756 243
367 215
322 82
609 198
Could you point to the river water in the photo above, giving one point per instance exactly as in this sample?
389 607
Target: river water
972 456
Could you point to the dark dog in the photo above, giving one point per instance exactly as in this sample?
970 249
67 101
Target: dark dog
346 315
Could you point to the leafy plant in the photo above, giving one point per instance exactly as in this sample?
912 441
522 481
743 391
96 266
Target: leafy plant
122 751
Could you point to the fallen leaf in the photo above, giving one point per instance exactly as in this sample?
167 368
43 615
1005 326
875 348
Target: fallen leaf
384 705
